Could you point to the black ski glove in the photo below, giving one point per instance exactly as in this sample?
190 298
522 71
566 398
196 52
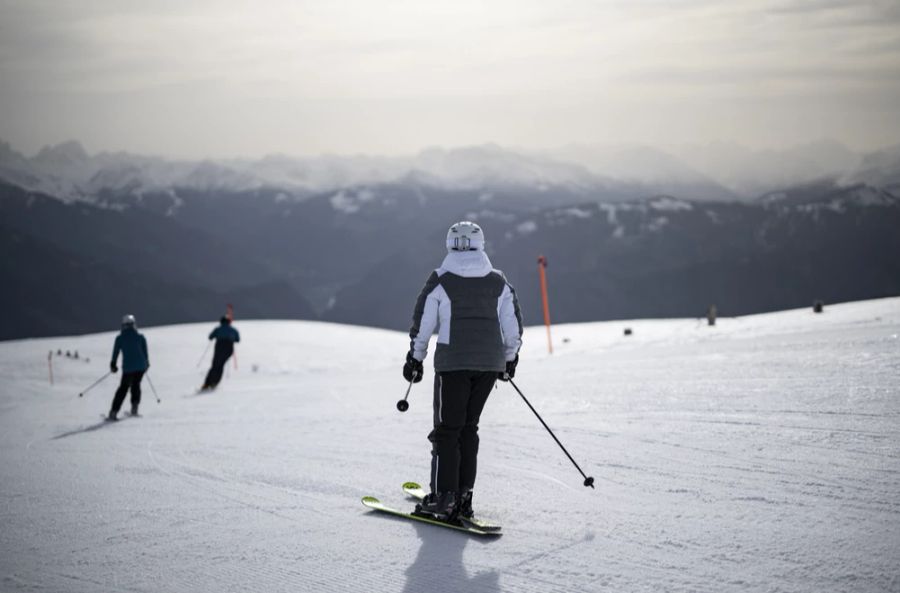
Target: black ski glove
113 368
413 370
510 371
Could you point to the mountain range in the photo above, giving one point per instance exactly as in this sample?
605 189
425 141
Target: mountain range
352 239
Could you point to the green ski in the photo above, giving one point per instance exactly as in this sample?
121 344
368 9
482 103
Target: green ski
416 491
375 504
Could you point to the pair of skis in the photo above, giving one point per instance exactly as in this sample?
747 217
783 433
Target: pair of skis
127 415
414 490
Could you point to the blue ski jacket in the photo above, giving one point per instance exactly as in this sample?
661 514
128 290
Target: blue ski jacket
225 332
133 347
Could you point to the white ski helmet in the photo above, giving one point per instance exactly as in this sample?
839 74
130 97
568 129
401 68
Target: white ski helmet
128 321
465 236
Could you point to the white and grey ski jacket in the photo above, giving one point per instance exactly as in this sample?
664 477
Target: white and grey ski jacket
474 311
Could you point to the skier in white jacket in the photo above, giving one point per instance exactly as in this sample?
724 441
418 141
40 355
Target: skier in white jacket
476 315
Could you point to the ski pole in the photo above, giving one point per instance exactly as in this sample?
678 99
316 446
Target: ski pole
403 405
588 481
153 388
95 383
202 358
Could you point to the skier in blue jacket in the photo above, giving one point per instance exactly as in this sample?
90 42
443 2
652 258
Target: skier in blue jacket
135 362
225 337
475 313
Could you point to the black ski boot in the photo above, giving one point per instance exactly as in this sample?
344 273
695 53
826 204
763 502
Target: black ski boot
440 505
465 505
134 409
112 416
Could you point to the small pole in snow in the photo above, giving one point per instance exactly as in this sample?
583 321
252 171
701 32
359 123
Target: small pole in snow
50 365
542 265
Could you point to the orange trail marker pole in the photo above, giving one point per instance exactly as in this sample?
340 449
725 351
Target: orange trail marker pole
542 266
50 365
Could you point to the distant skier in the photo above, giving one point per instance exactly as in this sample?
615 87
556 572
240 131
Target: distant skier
135 362
476 315
225 337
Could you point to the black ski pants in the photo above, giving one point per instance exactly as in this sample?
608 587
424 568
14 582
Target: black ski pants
129 381
459 398
220 357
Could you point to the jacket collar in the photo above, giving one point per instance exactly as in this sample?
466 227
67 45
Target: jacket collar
468 264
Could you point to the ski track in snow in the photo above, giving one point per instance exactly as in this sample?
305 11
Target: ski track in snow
759 455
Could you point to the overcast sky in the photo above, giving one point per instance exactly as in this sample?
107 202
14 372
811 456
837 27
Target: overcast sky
245 78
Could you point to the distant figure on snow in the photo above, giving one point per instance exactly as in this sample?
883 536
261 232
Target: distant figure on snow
225 337
476 315
135 362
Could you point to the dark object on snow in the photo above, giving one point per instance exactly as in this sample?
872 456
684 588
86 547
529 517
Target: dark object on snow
818 306
68 354
711 315
627 331
75 355
566 340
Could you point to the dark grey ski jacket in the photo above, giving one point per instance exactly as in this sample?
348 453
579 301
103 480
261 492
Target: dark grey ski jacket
474 311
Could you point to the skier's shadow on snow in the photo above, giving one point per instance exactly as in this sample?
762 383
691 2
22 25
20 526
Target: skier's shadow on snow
91 428
439 566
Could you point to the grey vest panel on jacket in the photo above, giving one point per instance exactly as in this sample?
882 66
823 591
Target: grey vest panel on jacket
476 342
419 310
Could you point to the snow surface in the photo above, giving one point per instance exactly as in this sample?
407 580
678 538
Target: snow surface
762 454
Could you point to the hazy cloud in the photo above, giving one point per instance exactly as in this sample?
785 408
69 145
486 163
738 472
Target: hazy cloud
212 78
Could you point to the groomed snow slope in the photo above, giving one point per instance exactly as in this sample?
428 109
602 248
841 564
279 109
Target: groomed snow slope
759 455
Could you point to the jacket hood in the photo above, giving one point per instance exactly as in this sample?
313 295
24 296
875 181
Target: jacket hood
468 264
